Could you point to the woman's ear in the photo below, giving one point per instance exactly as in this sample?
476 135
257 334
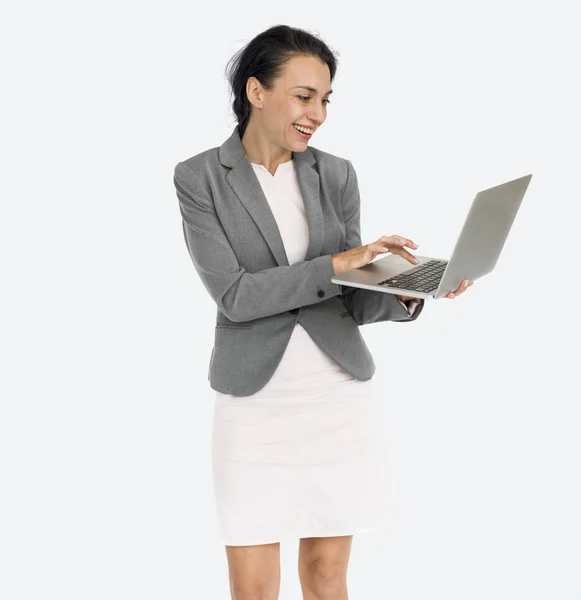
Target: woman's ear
254 92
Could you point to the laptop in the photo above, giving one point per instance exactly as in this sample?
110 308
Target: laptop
476 252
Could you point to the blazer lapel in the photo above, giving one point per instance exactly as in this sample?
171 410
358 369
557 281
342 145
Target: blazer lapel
245 184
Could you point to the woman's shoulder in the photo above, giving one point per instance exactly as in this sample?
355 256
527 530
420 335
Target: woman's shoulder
328 162
199 162
195 171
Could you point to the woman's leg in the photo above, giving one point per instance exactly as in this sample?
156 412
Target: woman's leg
254 571
323 563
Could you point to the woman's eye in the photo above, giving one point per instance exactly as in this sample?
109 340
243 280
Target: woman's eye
305 98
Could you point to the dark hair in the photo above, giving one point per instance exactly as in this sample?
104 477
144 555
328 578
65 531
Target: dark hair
265 57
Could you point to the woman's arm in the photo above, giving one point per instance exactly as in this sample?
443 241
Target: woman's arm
368 306
240 295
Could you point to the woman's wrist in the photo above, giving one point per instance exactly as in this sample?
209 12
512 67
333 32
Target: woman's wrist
338 264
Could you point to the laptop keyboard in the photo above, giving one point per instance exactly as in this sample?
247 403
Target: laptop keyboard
423 278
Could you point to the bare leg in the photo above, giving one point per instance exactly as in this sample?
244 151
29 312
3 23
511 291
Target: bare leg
254 571
323 564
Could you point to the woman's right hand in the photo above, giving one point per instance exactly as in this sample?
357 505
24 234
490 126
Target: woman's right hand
363 255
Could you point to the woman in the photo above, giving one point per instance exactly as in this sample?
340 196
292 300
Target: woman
268 221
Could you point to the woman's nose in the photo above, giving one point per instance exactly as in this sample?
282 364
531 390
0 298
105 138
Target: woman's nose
317 116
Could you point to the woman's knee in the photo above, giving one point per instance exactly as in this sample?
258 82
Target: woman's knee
254 571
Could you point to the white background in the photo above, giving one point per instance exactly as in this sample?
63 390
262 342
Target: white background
107 330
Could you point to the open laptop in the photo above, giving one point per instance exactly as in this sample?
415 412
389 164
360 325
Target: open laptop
477 249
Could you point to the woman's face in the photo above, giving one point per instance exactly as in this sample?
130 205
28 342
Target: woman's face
290 103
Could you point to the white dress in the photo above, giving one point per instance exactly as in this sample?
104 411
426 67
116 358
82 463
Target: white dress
303 456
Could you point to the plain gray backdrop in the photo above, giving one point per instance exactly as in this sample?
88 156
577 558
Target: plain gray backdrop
105 422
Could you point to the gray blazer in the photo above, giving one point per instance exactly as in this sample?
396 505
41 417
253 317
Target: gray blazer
236 248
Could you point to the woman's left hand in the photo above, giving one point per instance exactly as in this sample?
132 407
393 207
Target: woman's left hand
464 285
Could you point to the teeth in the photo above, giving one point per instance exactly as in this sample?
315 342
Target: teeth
304 129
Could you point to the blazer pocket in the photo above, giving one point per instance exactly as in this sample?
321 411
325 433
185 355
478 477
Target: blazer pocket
233 326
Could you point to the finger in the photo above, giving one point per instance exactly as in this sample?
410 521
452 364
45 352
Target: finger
404 254
389 247
399 240
464 285
399 249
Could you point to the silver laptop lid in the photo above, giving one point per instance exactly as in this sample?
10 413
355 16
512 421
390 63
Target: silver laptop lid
484 232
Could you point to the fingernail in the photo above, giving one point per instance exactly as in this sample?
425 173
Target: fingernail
416 261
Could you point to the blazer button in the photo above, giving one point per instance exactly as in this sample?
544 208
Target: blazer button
294 311
320 293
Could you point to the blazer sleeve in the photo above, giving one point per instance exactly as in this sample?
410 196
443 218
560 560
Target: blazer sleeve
368 306
240 295
411 305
